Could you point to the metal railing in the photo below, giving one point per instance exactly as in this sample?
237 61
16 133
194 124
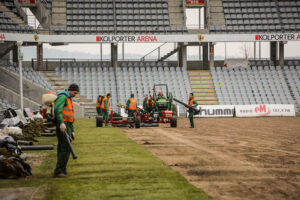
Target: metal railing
157 48
159 52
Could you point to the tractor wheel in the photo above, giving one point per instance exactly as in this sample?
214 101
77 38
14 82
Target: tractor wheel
99 121
137 122
174 122
175 111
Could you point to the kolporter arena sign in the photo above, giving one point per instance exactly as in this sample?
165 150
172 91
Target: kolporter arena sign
43 38
133 38
277 37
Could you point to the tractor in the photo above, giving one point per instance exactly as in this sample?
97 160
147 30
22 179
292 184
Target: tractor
164 111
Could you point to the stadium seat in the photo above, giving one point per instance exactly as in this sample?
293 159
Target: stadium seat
259 16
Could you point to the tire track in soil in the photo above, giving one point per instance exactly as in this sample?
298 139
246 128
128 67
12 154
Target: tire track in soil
258 164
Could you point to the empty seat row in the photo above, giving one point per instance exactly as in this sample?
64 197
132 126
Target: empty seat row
259 17
119 17
130 77
257 84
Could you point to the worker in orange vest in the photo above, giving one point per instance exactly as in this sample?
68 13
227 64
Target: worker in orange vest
192 102
105 107
64 118
131 106
98 104
148 104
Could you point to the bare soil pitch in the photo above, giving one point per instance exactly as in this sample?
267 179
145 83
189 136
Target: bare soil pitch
240 158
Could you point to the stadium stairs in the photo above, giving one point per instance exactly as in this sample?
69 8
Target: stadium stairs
175 50
217 17
202 86
5 48
59 13
58 84
41 13
176 13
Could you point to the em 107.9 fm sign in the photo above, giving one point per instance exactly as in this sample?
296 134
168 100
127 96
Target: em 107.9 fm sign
194 3
265 110
27 2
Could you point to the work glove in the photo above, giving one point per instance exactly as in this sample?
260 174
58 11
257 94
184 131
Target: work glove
73 136
62 127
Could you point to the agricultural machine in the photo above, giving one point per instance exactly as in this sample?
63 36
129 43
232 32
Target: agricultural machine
119 121
164 111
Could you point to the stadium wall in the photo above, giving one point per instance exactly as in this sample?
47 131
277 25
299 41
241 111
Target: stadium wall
31 90
9 90
14 98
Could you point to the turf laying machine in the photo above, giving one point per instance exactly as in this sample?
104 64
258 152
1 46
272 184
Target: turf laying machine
163 112
118 121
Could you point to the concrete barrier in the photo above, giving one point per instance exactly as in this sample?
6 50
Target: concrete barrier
14 98
31 90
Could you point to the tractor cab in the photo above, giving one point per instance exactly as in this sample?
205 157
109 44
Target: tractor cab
163 105
162 98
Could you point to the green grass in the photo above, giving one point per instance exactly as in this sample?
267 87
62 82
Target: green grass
109 166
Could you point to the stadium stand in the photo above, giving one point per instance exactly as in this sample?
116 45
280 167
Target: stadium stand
12 20
4 104
257 85
119 17
28 73
259 16
132 77
11 5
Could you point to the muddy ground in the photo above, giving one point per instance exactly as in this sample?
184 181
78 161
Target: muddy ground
240 158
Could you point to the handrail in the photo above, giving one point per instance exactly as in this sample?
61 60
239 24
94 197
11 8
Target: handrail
143 58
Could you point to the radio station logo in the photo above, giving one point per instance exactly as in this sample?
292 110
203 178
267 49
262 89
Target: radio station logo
262 110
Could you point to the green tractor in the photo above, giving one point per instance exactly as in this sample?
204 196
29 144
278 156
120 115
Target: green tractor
164 111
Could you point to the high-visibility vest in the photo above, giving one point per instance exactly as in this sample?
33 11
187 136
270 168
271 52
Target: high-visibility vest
149 103
103 103
191 102
132 104
98 102
68 111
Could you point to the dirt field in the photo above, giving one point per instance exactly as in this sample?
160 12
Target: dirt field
241 158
